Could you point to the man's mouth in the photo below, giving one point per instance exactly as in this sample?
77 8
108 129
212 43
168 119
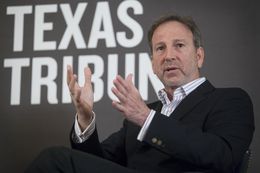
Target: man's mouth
168 69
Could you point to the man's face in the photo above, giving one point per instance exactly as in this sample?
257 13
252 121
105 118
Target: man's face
175 59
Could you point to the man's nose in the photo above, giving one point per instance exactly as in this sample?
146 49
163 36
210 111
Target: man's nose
170 54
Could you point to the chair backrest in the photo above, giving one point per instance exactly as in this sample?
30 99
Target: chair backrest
243 166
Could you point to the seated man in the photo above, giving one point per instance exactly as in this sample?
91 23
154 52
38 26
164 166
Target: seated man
193 127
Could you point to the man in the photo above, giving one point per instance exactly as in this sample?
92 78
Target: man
193 128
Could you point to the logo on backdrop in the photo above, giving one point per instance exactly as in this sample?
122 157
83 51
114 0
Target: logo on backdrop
102 28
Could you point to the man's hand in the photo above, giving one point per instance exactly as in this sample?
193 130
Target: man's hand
130 102
82 97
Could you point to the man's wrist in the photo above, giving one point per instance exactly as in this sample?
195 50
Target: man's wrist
146 125
84 134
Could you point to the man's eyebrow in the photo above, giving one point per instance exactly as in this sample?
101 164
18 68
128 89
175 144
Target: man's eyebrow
177 40
174 41
159 43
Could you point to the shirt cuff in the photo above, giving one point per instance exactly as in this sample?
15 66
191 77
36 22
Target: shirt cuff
146 125
80 136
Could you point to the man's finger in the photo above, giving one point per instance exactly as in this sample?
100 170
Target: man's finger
120 87
73 84
129 79
69 74
119 95
122 82
118 106
87 74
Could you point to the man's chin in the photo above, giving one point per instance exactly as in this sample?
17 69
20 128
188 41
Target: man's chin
174 83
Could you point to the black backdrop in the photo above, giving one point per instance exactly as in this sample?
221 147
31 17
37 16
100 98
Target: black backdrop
38 39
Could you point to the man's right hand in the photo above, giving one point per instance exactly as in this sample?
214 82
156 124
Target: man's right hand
82 97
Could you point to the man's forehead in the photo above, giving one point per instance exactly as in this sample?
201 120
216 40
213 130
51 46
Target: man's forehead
174 28
173 25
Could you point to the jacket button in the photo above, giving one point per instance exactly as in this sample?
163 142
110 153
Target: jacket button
159 142
154 140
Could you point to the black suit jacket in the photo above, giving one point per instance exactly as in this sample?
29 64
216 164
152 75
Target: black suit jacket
209 131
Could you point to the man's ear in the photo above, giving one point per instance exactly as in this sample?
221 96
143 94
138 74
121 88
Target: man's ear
200 56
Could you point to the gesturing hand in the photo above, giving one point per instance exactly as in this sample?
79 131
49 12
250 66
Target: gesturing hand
82 97
130 102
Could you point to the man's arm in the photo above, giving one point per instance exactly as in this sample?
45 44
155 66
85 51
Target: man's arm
113 148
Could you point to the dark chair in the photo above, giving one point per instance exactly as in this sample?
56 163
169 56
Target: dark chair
243 166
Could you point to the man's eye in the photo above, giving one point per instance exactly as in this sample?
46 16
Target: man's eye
159 48
180 45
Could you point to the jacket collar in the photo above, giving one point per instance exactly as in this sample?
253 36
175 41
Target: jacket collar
193 99
190 101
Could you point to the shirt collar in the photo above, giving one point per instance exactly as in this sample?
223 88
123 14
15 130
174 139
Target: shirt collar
181 91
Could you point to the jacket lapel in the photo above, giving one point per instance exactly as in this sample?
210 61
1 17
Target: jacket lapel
184 107
192 100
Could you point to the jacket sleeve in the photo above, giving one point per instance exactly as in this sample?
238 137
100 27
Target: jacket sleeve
113 148
221 140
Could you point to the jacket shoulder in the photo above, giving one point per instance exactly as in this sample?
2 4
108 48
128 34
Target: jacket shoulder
239 92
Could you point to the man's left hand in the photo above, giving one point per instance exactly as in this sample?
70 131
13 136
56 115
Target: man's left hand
130 101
